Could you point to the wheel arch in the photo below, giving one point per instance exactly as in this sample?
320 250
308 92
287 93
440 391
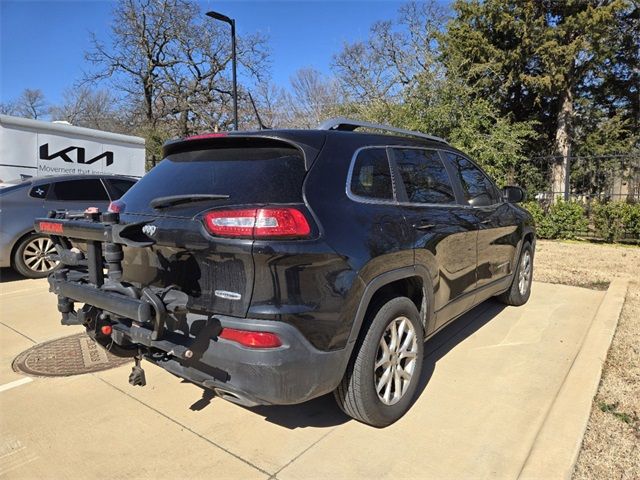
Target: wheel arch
17 242
412 282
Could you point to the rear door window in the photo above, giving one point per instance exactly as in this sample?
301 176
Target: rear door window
424 176
371 175
478 189
79 190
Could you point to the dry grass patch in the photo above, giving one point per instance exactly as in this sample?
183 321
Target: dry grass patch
611 445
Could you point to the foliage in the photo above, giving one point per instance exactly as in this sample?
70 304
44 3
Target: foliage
612 220
532 59
562 220
398 76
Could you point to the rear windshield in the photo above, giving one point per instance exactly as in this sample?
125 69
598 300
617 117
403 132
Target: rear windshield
246 175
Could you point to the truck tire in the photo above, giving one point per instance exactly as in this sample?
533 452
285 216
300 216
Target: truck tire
384 371
520 290
31 256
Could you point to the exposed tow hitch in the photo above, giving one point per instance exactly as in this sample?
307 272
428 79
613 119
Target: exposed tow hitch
137 377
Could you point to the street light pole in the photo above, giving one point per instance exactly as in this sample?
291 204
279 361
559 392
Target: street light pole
232 22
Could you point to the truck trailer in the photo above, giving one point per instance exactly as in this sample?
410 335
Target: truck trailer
34 148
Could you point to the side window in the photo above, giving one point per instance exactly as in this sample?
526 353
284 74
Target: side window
371 176
79 190
39 191
118 187
477 188
424 176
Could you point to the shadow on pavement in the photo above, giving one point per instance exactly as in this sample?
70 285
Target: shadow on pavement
453 334
9 275
323 412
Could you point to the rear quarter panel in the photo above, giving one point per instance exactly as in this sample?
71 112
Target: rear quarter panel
17 213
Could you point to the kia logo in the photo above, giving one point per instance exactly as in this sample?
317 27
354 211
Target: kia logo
80 155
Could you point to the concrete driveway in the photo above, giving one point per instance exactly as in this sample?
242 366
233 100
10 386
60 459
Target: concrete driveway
489 382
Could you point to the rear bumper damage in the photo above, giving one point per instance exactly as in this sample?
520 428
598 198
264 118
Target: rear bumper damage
157 324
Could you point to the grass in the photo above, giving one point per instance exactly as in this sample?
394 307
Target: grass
629 419
611 445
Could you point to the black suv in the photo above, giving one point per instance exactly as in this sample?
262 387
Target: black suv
276 266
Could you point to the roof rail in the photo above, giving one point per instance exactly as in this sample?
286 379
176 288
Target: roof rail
346 124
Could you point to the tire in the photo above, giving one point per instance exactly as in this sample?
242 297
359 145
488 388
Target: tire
31 256
520 290
357 395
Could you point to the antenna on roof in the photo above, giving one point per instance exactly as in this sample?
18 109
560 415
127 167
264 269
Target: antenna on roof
255 109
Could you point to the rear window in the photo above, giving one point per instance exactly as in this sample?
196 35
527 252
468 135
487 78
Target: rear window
371 176
248 175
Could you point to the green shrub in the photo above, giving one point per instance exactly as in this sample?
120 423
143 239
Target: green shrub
561 220
614 220
536 211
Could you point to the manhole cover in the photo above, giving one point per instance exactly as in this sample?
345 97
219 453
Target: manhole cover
66 356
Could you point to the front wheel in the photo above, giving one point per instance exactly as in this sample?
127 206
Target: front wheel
383 374
520 289
32 256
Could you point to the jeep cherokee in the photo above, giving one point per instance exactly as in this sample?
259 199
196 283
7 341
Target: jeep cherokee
277 266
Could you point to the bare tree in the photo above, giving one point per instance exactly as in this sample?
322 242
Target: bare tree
30 104
196 89
8 108
271 104
394 56
313 98
84 107
171 60
142 32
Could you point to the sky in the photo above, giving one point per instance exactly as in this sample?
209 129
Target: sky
42 43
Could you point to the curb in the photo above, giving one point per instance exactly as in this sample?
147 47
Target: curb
555 449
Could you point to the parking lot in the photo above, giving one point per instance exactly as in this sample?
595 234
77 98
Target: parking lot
502 396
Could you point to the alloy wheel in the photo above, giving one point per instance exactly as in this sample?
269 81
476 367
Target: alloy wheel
525 273
37 255
395 360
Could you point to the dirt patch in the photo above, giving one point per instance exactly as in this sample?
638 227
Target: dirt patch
611 445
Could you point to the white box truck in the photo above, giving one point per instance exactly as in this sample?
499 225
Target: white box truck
35 148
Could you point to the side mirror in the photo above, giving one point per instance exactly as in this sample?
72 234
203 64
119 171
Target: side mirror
514 194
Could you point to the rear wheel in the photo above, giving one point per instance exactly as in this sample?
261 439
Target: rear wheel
520 289
384 371
32 256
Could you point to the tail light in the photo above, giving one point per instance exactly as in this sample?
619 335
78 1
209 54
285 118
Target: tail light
251 339
51 227
258 223
116 206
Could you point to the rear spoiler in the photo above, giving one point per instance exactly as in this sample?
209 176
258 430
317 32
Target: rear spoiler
308 143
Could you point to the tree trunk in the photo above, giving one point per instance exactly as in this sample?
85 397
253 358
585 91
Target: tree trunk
561 165
183 123
148 101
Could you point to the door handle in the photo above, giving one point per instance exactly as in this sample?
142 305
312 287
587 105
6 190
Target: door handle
423 226
485 222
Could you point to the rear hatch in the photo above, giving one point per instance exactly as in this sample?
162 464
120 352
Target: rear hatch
190 202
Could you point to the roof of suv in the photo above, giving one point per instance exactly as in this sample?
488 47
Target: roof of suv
311 141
